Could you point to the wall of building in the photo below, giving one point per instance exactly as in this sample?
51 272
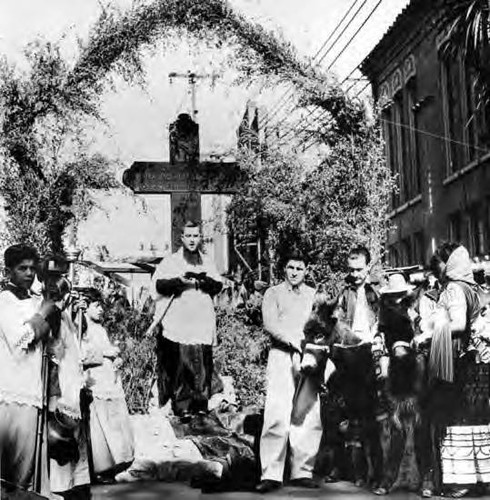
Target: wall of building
433 142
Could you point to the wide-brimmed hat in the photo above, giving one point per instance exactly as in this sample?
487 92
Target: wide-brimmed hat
396 284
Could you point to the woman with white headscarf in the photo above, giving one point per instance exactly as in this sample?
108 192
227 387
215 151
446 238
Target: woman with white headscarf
458 403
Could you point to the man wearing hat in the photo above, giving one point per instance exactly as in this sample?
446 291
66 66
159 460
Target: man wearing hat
396 315
402 420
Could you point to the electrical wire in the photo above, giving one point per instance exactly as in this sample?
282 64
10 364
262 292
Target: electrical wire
428 134
371 13
278 106
375 8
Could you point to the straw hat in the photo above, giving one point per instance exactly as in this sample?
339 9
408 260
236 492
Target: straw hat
396 284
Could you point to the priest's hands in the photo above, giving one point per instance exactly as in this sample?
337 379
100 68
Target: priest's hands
188 283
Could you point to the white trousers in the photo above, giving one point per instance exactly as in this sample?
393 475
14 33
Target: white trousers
289 418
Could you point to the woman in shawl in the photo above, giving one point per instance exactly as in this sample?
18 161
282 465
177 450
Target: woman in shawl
458 404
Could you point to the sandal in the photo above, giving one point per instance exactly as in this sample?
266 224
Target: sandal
380 491
426 493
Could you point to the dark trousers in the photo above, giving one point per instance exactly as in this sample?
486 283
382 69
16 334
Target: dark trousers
184 375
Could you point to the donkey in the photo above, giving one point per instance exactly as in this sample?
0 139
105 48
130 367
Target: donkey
350 440
404 432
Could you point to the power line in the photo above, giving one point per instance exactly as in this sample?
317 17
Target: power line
371 13
375 8
279 105
343 31
294 128
324 112
436 136
336 27
360 91
428 134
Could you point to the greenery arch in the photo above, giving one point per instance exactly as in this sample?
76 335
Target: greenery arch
45 168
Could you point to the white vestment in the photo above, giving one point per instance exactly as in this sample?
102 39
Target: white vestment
190 318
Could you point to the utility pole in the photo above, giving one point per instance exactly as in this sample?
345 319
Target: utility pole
192 78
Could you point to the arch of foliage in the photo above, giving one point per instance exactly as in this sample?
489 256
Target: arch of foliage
44 165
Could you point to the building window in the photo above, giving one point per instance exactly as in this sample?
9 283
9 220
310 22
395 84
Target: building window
474 117
453 113
454 227
413 161
419 247
464 117
401 134
393 256
401 139
487 227
406 252
477 230
389 132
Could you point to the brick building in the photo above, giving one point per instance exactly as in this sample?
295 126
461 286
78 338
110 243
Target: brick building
436 137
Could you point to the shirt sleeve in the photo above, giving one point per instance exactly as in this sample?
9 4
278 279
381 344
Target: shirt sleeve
166 273
270 315
17 333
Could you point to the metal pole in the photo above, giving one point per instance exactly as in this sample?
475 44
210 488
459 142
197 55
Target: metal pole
41 422
192 84
259 258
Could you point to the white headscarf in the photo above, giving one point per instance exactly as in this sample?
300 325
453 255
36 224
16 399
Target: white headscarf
458 266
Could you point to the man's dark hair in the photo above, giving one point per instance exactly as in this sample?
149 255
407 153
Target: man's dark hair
15 254
445 249
360 251
191 223
294 254
92 295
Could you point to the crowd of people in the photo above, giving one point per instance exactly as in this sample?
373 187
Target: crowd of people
396 378
386 385
381 382
64 423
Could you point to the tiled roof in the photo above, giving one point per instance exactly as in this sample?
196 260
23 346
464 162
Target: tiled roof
414 7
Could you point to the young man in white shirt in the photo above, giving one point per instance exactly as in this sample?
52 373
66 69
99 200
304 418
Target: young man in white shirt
287 427
24 324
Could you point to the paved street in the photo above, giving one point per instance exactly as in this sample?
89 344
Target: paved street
174 491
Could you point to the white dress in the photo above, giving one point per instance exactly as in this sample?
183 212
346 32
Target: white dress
110 428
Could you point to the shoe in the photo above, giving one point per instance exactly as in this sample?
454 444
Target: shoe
267 485
360 483
304 482
333 476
